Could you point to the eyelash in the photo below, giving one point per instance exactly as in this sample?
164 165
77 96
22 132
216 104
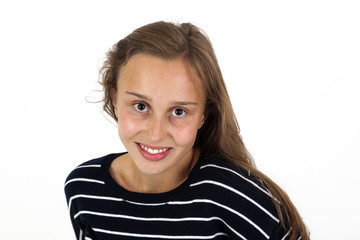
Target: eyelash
146 109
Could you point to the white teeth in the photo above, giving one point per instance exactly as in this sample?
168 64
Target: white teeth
153 151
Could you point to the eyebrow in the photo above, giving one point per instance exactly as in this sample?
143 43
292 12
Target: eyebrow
145 98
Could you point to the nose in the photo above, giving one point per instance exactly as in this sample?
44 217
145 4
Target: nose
156 128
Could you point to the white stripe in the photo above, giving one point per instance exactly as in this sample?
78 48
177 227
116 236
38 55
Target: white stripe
112 199
87 238
222 206
80 234
145 218
287 234
145 204
199 219
93 197
239 193
84 180
299 238
238 174
237 233
157 236
85 166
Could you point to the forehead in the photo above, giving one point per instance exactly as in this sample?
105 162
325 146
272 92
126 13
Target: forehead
154 75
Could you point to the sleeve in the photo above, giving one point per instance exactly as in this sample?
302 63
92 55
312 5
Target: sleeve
82 230
77 226
74 191
279 233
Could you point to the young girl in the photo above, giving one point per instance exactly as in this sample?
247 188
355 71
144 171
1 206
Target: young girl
186 173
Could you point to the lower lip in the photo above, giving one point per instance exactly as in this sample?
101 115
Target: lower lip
152 157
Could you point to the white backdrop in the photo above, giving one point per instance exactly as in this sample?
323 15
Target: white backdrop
292 70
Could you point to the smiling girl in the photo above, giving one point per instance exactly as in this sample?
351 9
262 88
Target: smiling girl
186 173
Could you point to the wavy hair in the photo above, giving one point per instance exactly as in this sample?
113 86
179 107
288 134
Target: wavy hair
220 133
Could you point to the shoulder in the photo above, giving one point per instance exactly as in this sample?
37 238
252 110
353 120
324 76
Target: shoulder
219 169
88 173
89 168
241 197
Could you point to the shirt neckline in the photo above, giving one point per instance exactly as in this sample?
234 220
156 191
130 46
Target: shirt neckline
115 189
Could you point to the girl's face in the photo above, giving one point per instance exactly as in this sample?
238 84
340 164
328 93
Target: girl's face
159 109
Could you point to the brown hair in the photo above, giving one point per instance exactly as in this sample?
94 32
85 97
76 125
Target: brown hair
220 133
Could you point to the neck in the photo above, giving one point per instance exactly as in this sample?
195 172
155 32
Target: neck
136 181
156 184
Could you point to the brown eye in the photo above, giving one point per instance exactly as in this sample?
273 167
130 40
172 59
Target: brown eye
178 112
140 107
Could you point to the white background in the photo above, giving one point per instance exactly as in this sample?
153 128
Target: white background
292 69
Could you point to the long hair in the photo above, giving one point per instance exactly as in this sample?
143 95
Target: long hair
220 133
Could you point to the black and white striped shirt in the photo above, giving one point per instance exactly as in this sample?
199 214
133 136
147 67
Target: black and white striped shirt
217 201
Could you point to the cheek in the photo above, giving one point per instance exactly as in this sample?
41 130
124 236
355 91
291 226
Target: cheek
185 135
127 125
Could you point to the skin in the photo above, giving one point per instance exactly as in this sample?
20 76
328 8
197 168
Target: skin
158 105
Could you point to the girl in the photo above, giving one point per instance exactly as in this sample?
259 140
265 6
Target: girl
186 173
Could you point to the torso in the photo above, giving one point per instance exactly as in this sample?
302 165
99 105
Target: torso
216 201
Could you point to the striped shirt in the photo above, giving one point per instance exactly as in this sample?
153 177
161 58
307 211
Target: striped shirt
217 201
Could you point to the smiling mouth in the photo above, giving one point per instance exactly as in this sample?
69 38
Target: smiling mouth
153 150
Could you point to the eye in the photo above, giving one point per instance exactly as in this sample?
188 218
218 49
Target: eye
140 107
178 112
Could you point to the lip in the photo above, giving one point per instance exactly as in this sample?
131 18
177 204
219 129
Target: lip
153 157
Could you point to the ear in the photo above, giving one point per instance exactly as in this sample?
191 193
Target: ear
204 117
